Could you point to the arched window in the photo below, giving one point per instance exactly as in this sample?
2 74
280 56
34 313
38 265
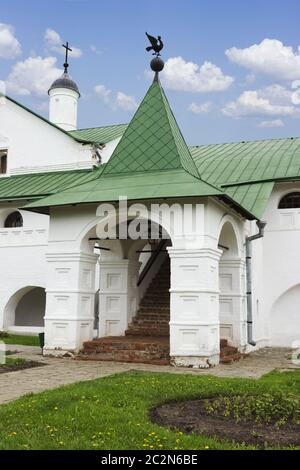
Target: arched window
290 201
13 220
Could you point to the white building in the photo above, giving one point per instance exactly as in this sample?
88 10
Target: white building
56 274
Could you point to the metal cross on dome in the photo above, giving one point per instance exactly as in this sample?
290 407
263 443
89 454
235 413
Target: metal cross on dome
66 46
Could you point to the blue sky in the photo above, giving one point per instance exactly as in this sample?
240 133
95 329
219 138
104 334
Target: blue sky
232 68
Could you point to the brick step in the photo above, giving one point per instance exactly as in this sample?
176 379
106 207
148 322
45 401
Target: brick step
121 358
121 342
152 317
228 351
230 359
157 297
223 343
145 321
155 308
139 349
147 332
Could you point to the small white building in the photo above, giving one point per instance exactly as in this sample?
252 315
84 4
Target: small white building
208 278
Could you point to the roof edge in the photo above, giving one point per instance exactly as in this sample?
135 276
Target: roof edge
83 141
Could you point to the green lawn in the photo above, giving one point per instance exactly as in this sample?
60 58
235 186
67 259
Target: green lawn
20 339
112 412
10 361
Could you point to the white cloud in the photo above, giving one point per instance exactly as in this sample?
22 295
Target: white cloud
95 49
118 101
33 76
258 103
10 47
200 108
54 43
103 93
271 124
125 102
270 57
188 76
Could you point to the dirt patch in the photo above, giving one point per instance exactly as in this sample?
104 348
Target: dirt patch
14 367
191 417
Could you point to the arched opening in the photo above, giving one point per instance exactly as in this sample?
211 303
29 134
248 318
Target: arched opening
13 220
134 292
290 201
285 318
232 294
30 310
25 310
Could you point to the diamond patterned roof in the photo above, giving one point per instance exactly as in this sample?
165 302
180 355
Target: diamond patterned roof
152 141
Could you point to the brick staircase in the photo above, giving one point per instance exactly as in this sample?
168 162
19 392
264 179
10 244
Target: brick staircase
147 338
153 316
229 354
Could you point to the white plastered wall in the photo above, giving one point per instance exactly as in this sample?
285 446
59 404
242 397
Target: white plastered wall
276 273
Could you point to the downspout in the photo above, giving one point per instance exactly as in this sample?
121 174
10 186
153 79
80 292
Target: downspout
261 228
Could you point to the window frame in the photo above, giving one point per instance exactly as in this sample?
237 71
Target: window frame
19 222
290 205
3 161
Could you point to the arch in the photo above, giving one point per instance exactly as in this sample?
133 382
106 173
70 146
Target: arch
285 318
29 299
231 307
228 238
13 220
290 200
121 248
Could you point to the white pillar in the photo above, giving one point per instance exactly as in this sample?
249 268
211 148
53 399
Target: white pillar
118 296
70 301
194 322
233 312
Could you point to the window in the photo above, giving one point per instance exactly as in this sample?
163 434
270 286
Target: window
3 162
13 220
290 201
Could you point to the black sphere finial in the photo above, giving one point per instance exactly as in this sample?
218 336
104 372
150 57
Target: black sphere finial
157 64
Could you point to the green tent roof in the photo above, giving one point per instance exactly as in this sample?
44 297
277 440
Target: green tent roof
151 161
152 140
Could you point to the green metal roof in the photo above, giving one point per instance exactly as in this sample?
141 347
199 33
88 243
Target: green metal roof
253 197
245 162
100 135
152 140
37 185
138 186
152 160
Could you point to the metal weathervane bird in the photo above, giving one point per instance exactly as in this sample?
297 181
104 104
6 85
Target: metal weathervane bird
156 45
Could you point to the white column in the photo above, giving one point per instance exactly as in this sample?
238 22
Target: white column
233 312
194 323
70 301
118 296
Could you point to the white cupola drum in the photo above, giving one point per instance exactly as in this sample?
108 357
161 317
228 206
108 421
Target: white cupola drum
64 95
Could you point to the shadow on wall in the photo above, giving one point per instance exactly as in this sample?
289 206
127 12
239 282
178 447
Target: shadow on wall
30 310
285 318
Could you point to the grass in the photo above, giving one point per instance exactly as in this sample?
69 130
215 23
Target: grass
9 361
113 412
20 339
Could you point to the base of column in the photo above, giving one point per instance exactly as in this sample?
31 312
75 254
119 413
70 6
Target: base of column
57 352
196 362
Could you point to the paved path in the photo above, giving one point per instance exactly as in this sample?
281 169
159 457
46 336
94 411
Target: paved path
59 372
